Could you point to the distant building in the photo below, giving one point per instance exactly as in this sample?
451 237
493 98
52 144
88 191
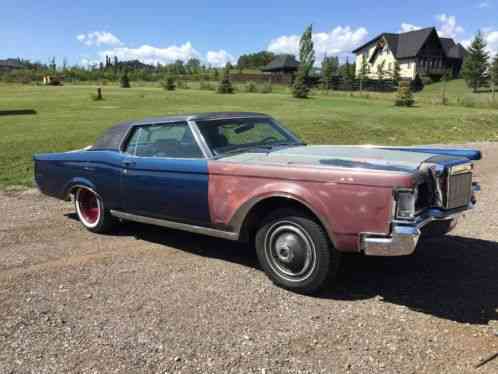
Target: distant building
10 64
283 64
420 52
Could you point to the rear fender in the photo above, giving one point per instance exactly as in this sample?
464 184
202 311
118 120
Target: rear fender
77 182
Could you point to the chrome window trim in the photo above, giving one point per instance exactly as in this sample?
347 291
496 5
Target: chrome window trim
126 138
199 138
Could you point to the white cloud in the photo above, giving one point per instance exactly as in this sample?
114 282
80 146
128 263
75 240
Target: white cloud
406 27
99 38
491 38
483 5
448 26
153 55
339 41
87 62
219 58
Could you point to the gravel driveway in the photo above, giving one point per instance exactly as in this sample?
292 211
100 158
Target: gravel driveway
154 300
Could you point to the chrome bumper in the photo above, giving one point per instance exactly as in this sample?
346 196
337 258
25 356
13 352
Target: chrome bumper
405 235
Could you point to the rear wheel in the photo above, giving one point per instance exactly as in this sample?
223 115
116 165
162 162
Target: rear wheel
91 211
294 251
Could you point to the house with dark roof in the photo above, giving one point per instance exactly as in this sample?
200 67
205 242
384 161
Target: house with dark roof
284 64
420 52
10 64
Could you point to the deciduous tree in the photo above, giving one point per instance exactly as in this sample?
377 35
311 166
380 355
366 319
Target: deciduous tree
300 87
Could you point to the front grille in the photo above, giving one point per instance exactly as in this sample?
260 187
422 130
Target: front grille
458 190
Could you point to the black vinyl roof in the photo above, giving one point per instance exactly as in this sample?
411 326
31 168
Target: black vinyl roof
409 44
114 136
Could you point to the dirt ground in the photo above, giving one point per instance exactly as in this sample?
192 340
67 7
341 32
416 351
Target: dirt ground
147 299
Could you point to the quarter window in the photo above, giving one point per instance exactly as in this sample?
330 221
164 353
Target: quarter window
172 140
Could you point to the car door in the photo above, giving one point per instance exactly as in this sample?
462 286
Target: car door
165 174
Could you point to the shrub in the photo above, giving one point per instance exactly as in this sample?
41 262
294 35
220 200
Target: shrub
426 80
183 85
125 81
404 96
225 86
169 83
266 88
250 87
300 89
203 85
417 84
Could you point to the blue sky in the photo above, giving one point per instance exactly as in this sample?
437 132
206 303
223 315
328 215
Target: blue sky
218 31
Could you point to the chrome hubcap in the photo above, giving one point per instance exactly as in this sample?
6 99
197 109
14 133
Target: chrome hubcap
290 251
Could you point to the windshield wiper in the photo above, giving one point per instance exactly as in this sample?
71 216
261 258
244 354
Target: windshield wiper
246 149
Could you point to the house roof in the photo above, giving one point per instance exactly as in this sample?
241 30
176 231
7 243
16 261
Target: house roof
282 62
409 44
11 63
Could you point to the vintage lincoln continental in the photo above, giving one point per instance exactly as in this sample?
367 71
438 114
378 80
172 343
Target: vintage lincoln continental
243 176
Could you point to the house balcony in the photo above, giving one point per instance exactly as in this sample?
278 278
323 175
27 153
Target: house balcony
424 70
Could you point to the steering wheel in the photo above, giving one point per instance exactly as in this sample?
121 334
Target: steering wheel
267 139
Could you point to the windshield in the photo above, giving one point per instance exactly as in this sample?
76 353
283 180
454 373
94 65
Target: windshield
240 134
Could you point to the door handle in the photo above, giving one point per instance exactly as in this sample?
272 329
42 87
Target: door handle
129 163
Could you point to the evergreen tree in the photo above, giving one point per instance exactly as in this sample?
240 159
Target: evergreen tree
494 75
169 83
225 86
363 73
397 72
125 81
404 96
300 87
328 70
475 65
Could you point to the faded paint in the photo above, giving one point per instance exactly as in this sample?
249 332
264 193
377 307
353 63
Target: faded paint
346 201
325 156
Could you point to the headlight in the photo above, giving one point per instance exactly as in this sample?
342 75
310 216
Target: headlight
405 204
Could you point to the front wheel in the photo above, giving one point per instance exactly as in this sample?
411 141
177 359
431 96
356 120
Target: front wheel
294 251
91 212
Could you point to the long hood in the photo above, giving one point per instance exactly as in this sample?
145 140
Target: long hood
406 159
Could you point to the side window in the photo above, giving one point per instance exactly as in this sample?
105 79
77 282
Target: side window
172 140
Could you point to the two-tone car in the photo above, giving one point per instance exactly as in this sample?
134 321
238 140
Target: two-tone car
244 176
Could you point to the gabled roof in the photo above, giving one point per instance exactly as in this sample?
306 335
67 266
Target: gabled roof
282 62
409 44
447 44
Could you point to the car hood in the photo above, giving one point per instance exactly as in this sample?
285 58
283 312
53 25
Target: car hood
399 159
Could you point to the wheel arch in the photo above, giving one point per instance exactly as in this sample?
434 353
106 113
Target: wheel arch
248 217
76 183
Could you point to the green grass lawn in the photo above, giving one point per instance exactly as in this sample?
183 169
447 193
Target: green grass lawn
66 118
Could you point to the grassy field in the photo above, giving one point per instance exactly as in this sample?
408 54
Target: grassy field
66 118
